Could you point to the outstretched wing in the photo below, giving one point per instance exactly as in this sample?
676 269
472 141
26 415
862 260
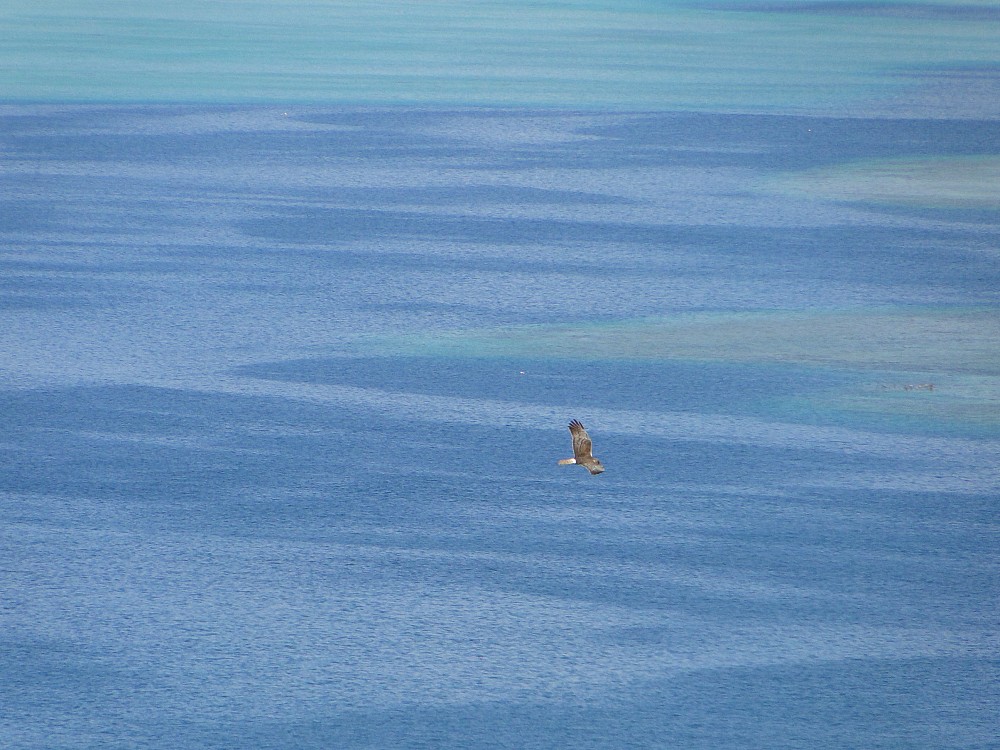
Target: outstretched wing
582 445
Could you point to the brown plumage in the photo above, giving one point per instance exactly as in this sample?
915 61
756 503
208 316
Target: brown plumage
582 447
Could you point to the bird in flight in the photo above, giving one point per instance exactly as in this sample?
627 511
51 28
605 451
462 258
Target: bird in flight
582 450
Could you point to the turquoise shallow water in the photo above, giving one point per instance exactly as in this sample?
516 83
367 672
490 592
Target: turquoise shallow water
283 382
937 58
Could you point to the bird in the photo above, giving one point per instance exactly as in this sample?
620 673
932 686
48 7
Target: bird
582 450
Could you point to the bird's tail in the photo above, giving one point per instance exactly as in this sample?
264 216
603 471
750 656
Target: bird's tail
566 461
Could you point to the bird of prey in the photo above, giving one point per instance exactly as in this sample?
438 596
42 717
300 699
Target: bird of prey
582 450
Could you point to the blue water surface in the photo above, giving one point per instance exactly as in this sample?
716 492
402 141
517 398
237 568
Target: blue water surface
247 499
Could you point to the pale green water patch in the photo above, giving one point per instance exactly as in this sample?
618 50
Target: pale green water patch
969 182
970 404
905 341
939 367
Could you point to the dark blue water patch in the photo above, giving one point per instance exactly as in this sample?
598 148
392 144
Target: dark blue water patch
96 209
147 148
765 142
146 446
681 140
25 214
23 289
277 147
42 119
94 272
338 226
40 302
58 676
104 148
263 465
945 258
399 118
478 195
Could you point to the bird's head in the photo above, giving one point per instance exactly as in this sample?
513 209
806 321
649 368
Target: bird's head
597 468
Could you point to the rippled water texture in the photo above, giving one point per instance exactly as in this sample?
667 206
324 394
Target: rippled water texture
284 389
898 57
285 375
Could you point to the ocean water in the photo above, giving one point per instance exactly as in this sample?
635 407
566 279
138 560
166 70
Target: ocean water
284 391
905 57
285 372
